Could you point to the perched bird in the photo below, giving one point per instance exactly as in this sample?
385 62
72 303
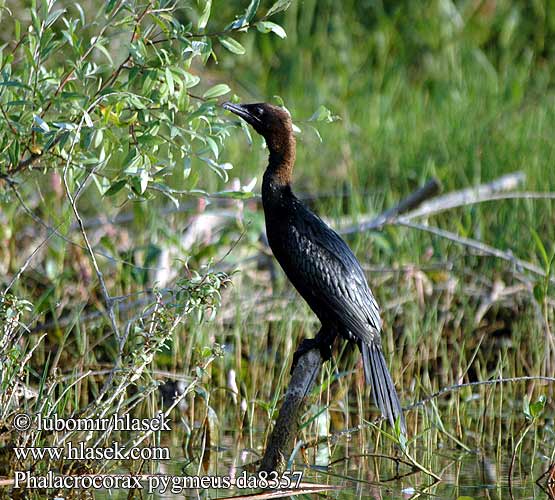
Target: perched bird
317 261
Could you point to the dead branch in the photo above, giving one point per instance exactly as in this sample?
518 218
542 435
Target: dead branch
471 243
485 192
429 190
468 196
283 435
423 203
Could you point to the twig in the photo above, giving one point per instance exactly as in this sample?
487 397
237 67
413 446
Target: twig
33 158
56 231
13 51
114 76
27 262
471 243
523 431
493 381
397 460
72 200
12 128
107 299
442 392
70 73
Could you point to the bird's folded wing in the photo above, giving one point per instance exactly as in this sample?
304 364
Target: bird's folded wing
331 274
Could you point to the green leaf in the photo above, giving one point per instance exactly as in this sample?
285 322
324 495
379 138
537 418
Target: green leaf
540 246
251 10
267 26
246 131
323 114
279 6
81 13
538 291
162 25
186 167
110 4
41 123
35 21
190 80
137 51
206 50
12 83
536 409
135 184
216 91
526 408
144 178
53 16
88 120
13 152
115 187
232 45
316 132
103 49
213 146
170 81
203 19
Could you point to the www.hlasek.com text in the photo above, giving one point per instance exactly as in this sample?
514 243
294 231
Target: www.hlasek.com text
80 451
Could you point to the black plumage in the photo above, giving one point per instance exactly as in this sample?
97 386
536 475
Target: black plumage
317 261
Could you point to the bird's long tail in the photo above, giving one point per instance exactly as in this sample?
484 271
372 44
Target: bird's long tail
383 388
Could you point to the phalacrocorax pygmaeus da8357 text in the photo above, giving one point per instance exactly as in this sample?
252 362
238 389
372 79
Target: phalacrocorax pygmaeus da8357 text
317 261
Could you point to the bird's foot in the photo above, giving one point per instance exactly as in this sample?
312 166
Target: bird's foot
309 344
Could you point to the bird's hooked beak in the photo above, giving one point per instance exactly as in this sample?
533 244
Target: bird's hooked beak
244 112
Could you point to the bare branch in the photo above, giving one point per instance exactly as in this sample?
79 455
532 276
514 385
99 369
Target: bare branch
484 192
283 435
468 196
27 262
493 381
73 202
56 231
475 244
429 190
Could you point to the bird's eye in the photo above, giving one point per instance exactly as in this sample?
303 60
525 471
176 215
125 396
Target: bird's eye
259 111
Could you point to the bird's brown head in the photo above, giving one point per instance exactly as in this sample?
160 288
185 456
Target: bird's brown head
271 122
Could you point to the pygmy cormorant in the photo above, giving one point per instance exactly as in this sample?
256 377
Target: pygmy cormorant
317 261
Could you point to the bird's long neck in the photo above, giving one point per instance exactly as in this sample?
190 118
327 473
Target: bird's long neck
282 160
